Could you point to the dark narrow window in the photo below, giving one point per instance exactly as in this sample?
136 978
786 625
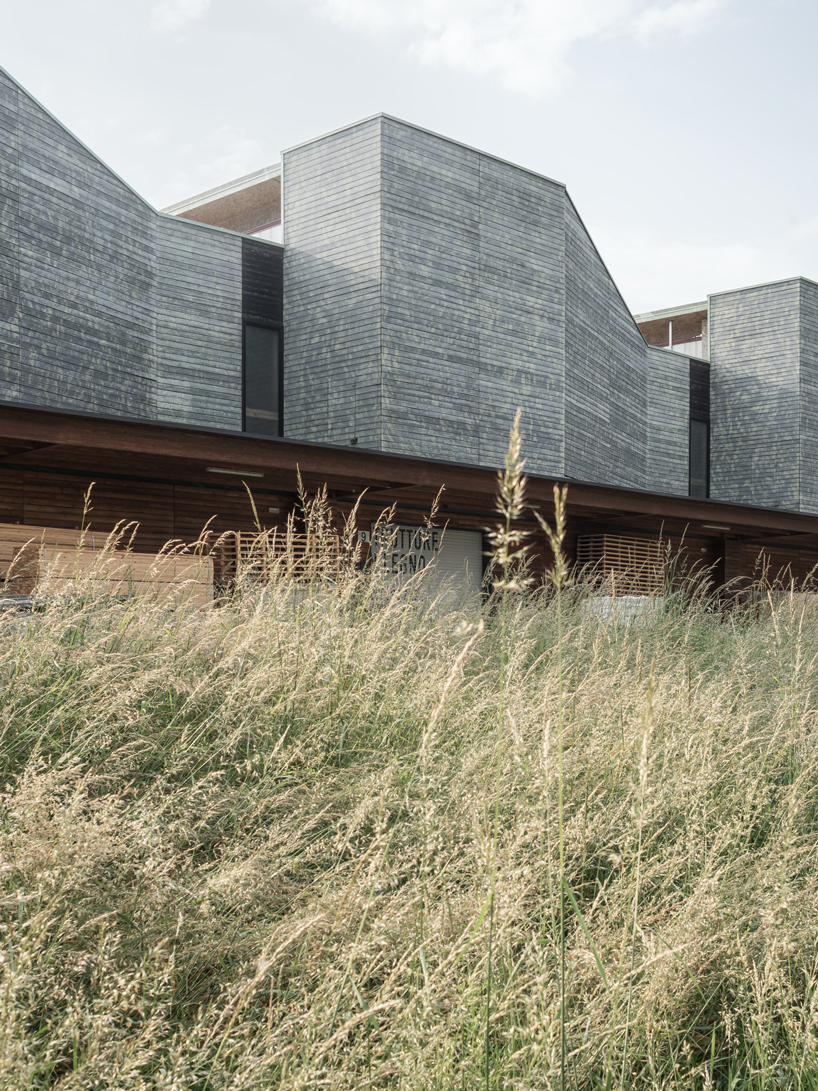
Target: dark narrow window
262 380
699 459
699 481
262 303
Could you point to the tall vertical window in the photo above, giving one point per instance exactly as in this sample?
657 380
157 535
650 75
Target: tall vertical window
700 459
699 481
262 380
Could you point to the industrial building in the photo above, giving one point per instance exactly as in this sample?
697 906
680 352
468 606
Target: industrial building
371 311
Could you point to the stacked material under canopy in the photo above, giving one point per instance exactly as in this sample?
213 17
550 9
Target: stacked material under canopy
54 559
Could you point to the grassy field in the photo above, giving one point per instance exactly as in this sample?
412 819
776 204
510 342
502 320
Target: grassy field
358 836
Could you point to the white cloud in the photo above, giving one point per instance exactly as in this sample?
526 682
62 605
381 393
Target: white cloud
175 14
523 43
681 17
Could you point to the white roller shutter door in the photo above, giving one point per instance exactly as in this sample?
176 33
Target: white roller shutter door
454 557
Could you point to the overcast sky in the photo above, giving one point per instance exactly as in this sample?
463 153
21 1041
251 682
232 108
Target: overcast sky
684 129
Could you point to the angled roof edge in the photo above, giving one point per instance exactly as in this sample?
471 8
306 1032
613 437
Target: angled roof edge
113 173
74 136
488 155
215 227
679 353
765 284
605 265
429 132
226 189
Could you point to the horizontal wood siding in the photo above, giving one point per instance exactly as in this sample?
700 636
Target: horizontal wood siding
522 307
9 243
808 431
163 511
754 349
431 308
472 302
198 324
86 277
443 289
668 422
106 306
606 388
332 287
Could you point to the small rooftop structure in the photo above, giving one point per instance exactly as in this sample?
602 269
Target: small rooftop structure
683 329
250 204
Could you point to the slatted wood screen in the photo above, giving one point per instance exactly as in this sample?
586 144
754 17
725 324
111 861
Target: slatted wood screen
240 553
634 565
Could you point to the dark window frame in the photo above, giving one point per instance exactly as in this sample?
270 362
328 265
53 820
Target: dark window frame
706 423
262 288
261 324
698 413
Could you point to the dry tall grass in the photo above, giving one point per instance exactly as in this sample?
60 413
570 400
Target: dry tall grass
262 846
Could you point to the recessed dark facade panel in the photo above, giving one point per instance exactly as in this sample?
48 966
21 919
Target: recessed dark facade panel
262 283
699 390
699 429
262 268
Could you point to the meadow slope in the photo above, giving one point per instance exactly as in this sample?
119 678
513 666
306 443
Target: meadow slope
314 838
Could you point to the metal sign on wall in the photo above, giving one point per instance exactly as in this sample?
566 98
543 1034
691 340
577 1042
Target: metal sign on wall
405 551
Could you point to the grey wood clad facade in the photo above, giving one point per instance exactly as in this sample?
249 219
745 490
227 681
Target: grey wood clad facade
86 315
424 296
606 371
105 305
522 302
332 288
430 295
198 325
668 408
755 343
426 291
472 302
441 288
10 248
429 289
809 397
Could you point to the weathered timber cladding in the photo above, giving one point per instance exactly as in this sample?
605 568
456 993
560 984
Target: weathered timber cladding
86 276
332 296
668 397
808 430
106 306
755 348
424 294
472 302
163 510
606 396
430 295
522 302
441 289
783 564
9 242
198 324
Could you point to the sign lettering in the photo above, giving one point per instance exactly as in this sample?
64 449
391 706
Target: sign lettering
404 550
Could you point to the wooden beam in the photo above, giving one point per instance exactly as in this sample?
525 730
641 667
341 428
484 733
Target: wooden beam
18 450
281 458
